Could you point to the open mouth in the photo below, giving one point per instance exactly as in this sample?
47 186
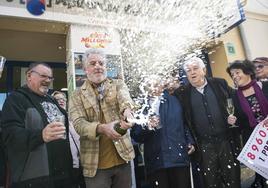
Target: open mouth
98 72
236 81
45 86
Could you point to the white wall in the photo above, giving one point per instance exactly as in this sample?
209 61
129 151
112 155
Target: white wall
254 31
255 36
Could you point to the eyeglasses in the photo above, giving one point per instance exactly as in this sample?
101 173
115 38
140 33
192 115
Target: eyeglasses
61 99
94 63
43 76
259 66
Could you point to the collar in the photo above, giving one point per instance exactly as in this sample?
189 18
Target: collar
201 88
250 84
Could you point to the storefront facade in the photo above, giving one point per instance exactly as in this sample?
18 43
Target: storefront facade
60 35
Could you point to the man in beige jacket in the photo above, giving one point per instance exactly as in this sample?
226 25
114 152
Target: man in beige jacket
95 108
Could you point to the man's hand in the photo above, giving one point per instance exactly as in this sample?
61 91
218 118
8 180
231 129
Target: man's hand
231 119
53 131
108 130
191 149
153 122
128 114
126 122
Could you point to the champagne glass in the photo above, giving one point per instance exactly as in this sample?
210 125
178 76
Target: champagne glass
230 109
61 119
2 63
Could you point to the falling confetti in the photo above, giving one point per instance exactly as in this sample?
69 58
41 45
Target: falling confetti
157 35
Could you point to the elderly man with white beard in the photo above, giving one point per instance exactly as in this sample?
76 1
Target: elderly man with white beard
100 105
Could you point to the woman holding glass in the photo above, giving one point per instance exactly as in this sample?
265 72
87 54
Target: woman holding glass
250 102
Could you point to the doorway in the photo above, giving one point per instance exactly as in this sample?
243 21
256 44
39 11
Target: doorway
14 76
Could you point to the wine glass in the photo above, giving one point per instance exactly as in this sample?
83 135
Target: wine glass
2 63
230 109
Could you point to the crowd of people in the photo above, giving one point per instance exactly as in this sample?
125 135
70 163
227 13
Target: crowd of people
87 142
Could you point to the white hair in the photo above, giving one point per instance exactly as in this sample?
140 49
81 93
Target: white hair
193 60
90 52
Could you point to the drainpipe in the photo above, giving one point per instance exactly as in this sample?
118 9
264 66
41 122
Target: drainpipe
245 42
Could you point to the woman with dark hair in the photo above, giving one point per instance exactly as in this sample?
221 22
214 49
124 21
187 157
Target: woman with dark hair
250 101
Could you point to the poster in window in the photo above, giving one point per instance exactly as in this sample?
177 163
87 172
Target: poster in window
113 64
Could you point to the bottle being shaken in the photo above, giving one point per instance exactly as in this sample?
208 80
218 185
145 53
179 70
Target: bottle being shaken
118 129
127 121
122 131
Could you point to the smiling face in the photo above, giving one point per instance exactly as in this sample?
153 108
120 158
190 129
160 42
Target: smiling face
195 74
95 68
239 77
39 79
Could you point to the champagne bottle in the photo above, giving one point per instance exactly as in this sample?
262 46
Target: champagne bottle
119 130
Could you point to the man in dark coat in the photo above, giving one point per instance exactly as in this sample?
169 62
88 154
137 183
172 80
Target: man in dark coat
2 159
38 152
204 103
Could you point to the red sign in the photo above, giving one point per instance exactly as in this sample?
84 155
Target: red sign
96 40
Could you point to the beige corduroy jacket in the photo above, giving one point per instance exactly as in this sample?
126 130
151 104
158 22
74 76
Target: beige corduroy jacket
84 112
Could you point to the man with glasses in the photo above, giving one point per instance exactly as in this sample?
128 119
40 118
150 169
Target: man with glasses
261 65
95 108
38 153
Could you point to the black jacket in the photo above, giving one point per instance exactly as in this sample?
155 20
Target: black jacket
33 162
221 90
2 158
242 119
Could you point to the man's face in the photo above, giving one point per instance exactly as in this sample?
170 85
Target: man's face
95 68
172 84
195 74
39 79
261 70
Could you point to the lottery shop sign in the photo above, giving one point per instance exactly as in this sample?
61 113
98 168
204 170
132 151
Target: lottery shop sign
97 40
255 152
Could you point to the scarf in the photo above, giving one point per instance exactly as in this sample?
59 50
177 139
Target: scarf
263 102
100 89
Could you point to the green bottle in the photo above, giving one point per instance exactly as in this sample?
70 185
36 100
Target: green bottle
119 130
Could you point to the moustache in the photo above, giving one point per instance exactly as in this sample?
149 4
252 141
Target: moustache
45 84
98 71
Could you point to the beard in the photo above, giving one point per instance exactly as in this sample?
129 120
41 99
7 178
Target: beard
44 89
97 78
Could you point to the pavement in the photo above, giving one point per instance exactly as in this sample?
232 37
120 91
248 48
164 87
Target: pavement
247 177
